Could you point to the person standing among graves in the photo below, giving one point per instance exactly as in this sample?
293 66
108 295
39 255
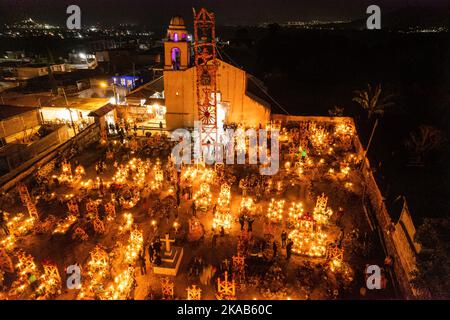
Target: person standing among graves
283 238
274 247
241 221
157 247
130 295
250 224
194 209
158 259
289 245
189 191
142 263
214 240
151 251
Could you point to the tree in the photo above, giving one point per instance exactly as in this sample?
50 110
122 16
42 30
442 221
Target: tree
372 101
432 278
425 139
336 111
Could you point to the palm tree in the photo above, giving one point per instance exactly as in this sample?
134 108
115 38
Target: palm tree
425 139
371 100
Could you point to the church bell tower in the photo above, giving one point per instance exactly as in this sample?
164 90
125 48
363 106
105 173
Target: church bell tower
176 46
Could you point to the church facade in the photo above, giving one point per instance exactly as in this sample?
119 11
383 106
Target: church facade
241 98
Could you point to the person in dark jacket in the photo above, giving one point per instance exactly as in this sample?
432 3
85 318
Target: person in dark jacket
143 263
283 239
289 246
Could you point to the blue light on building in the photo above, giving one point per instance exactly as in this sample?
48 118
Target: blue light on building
129 82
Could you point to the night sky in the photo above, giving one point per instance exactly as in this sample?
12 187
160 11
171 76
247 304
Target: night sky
156 12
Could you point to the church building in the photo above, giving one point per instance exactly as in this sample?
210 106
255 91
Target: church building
173 99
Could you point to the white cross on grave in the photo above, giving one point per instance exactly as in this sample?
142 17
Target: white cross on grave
167 242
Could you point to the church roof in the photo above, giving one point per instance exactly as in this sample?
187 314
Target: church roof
255 89
147 90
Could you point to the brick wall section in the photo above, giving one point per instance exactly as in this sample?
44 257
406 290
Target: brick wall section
385 225
18 123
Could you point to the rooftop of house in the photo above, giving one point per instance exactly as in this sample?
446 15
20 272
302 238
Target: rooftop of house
8 111
147 90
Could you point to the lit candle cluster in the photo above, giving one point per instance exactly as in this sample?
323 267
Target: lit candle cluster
247 204
98 271
134 246
64 225
50 281
344 129
140 168
128 220
79 171
203 196
295 212
222 216
110 210
130 203
308 238
222 219
136 169
20 224
224 196
121 174
87 184
335 257
8 242
25 266
199 174
321 212
66 172
345 169
122 285
206 175
158 178
190 173
318 136
275 210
